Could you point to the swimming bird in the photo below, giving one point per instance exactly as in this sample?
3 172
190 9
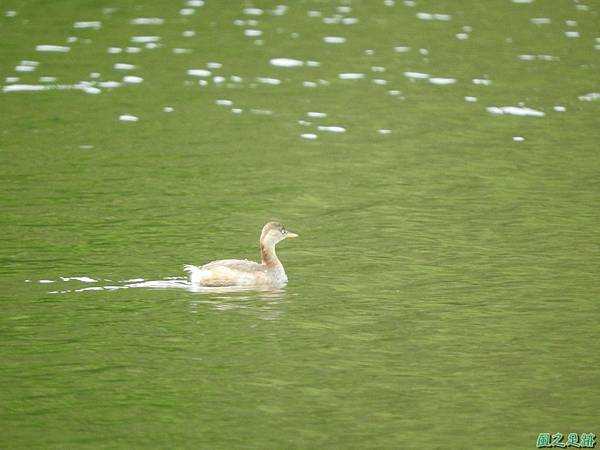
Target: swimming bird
241 272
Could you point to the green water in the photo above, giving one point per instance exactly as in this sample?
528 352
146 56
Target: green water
444 290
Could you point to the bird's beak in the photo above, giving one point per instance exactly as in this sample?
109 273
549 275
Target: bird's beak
291 235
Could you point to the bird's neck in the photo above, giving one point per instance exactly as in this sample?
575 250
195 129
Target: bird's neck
269 257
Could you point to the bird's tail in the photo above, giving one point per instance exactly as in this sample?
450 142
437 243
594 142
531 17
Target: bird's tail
194 272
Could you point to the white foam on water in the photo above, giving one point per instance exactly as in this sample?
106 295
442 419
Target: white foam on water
331 128
334 39
188 33
45 281
590 97
571 23
123 66
128 118
144 39
195 3
402 49
52 48
147 21
252 33
518 138
286 62
394 92
223 102
538 57
268 80
280 10
332 20
582 7
236 79
316 114
114 50
202 82
309 84
344 9
219 79
132 79
462 36
182 51
253 11
313 63
389 3
214 65
379 81
416 75
515 111
559 108
91 24
351 76
168 109
82 279
384 131
540 20
470 98
187 11
313 13
481 81
9 80
350 20
47 79
572 34
304 123
199 72
237 110
309 136
10 13
133 50
523 1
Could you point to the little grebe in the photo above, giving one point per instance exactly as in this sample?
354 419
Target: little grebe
237 272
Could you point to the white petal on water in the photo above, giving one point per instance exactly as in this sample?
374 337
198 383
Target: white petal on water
203 82
571 23
515 111
572 34
114 50
286 62
128 118
313 13
223 102
313 63
590 97
309 136
132 79
518 138
188 33
559 108
10 13
350 20
252 33
481 81
379 81
317 115
182 51
344 9
351 76
194 3
199 72
214 65
109 84
9 80
52 48
93 24
442 81
428 16
462 36
147 21
470 98
332 129
402 49
377 69
384 131
47 79
24 87
267 80
237 110
219 79
46 281
416 75
261 112
523 1
133 50
23 68
540 20
187 11
334 39
253 11
124 66
304 123
145 39
310 84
